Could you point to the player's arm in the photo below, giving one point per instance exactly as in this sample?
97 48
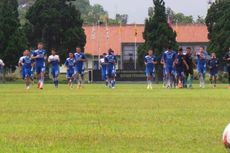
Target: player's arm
83 59
49 59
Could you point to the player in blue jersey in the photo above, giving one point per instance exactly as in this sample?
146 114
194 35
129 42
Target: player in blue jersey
150 62
39 56
227 60
110 60
70 65
54 61
103 69
180 65
169 58
80 58
20 65
213 65
27 65
201 66
163 70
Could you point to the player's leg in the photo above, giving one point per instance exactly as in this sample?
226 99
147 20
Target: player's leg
148 79
38 73
191 73
215 80
55 77
42 77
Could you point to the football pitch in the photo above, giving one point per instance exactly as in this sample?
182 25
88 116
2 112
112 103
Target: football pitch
128 119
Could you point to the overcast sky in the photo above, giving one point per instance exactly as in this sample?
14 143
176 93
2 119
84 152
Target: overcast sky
138 9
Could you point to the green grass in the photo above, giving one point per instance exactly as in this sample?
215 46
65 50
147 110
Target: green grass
129 119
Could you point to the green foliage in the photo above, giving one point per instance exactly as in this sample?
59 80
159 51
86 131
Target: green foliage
218 22
157 34
12 38
90 13
57 23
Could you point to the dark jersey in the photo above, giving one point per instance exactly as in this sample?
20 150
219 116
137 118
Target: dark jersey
213 63
189 60
226 57
180 62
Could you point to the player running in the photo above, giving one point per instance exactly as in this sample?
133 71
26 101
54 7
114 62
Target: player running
27 65
103 69
110 61
169 58
201 66
189 73
213 64
150 61
180 65
54 61
70 64
20 65
227 60
80 58
39 56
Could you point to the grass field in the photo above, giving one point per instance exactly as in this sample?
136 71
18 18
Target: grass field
129 119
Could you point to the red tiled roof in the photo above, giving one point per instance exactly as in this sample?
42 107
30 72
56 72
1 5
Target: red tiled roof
193 33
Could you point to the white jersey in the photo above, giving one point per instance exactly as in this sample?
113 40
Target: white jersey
20 60
53 58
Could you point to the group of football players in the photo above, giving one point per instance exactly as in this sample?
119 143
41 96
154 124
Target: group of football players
35 61
178 67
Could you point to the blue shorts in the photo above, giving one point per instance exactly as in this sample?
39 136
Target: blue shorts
70 73
55 72
27 73
169 70
78 70
40 69
150 72
201 70
110 72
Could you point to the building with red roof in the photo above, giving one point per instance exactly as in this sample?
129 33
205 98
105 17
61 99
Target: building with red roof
123 41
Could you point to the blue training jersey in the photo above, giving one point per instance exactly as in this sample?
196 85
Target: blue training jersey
149 60
70 63
78 57
110 60
169 57
201 60
27 62
41 53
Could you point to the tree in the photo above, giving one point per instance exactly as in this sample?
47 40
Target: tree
179 18
122 18
157 33
218 23
57 23
12 38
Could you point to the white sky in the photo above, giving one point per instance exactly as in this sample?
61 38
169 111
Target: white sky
138 9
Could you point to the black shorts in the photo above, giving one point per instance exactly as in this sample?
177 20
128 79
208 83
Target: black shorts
190 71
